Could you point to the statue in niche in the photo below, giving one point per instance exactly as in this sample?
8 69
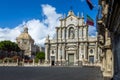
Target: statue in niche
72 33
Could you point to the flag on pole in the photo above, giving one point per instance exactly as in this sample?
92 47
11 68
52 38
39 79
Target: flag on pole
90 4
90 21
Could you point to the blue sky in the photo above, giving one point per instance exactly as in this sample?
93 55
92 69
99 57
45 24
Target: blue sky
14 12
40 16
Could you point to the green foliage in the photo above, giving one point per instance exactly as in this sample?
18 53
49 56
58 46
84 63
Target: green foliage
9 46
39 56
36 60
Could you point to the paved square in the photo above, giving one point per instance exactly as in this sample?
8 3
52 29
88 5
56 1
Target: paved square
50 73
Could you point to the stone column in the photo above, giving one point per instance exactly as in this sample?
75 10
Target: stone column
63 55
63 52
46 53
96 52
84 33
61 33
56 56
87 33
85 51
80 33
56 46
80 57
57 33
67 33
77 52
64 33
58 53
65 22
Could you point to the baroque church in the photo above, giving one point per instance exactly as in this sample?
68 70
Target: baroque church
26 43
72 45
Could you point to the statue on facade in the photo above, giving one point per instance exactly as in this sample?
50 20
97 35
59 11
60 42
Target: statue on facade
72 33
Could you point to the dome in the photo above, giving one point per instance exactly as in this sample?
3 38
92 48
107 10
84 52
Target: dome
25 35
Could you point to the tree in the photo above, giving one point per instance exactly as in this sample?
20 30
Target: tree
9 46
40 55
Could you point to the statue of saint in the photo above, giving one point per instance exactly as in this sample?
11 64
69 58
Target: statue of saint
72 33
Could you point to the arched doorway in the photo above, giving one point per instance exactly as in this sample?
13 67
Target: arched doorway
52 60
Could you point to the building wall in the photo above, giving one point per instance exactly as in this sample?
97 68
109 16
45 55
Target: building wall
104 39
72 42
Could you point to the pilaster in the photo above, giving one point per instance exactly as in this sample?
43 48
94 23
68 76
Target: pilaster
63 52
46 53
80 53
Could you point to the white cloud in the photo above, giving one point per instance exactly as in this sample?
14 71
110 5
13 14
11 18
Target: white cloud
40 29
92 31
37 29
10 34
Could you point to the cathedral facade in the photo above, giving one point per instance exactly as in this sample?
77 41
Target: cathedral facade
72 45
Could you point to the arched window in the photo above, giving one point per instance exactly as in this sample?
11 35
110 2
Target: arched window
71 33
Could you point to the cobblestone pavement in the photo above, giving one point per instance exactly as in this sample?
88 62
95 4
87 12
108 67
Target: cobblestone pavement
50 73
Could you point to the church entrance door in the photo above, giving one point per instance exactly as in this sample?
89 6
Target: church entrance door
70 59
52 60
91 59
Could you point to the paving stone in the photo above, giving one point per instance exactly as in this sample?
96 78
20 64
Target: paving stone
50 73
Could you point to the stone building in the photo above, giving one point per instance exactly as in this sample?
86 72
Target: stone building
113 25
26 43
109 26
72 45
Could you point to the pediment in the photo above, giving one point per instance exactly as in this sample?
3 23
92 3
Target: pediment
71 20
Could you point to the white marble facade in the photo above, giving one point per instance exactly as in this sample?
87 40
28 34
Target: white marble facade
72 44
